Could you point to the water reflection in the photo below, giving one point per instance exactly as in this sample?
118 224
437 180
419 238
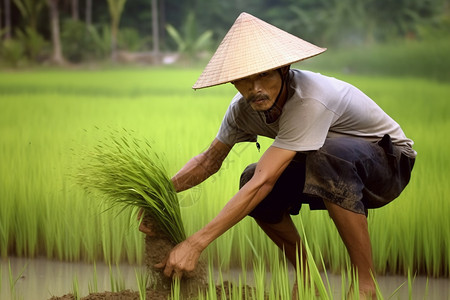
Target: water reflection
41 279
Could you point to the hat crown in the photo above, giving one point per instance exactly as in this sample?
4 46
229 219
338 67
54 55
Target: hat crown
252 46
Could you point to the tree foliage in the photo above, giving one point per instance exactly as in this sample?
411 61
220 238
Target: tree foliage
328 23
115 11
188 40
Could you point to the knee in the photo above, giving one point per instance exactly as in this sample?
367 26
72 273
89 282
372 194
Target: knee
247 174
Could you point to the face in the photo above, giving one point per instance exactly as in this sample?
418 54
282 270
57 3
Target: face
260 90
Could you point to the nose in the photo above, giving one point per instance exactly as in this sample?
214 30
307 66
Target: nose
256 86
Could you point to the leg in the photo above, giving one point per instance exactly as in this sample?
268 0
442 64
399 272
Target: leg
353 230
285 235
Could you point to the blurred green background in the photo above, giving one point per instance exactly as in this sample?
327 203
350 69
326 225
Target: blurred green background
146 55
404 37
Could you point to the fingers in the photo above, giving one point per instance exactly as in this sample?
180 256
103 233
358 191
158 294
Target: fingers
142 226
170 270
162 264
177 274
145 229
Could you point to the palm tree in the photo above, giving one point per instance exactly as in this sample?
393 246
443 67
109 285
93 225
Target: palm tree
57 56
75 10
7 19
88 12
30 10
155 28
1 12
115 11
189 42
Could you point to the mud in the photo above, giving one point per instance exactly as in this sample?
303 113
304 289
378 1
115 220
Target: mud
154 294
157 246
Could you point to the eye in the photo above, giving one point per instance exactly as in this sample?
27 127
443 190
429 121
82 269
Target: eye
263 74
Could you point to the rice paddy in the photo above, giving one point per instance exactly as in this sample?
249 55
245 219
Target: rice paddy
48 117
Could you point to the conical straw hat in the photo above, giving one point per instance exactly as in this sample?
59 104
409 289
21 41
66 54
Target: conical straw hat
252 46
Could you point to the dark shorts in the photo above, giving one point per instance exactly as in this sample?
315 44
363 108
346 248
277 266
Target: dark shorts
350 172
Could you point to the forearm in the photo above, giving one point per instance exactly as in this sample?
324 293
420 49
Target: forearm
195 171
201 166
184 257
269 169
233 212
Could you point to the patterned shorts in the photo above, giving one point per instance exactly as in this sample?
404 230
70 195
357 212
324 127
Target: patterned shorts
350 172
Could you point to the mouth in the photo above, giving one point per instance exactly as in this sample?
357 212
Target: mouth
258 99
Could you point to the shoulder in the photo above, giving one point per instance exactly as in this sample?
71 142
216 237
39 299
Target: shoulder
333 93
316 85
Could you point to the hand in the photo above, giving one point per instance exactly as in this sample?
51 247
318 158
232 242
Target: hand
144 227
181 260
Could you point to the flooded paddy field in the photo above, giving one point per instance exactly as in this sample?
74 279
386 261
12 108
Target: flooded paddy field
40 279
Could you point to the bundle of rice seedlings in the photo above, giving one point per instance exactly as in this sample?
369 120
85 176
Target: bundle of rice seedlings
130 174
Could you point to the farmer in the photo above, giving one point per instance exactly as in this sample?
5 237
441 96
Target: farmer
333 148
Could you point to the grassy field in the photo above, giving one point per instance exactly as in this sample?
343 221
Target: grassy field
48 119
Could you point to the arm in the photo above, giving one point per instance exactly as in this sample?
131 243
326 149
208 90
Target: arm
196 170
202 166
184 257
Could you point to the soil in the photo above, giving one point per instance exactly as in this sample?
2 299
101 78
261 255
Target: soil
151 294
157 245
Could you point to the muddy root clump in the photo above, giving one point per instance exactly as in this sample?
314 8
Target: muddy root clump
157 246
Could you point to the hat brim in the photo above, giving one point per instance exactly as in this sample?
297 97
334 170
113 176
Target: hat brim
252 46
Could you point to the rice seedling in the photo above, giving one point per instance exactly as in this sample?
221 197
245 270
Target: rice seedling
14 279
116 280
142 279
378 293
396 290
93 287
211 291
42 117
279 287
75 288
131 174
410 285
175 292
259 272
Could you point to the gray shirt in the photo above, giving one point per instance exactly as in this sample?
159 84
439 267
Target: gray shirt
320 107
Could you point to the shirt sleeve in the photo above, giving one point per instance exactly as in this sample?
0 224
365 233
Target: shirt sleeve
304 125
230 132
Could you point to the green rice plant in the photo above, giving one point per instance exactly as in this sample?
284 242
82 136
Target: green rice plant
75 288
410 284
426 288
279 287
222 286
14 279
378 293
116 281
396 290
6 213
175 292
142 279
314 275
211 292
131 174
93 287
259 272
343 284
44 111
